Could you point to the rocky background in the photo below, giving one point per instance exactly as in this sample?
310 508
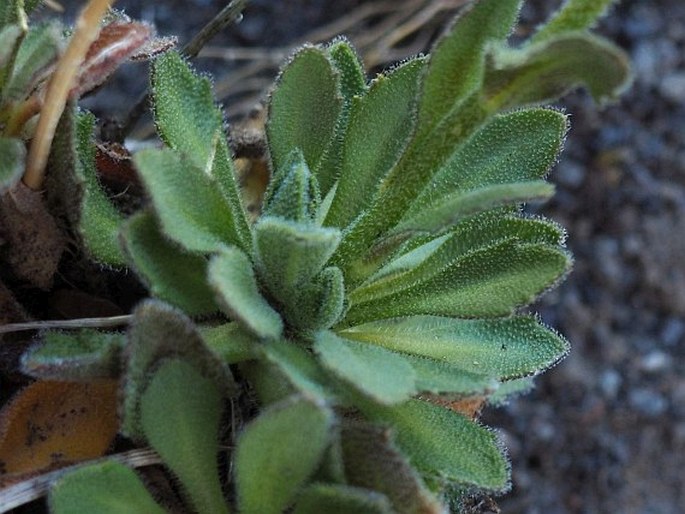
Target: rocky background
604 432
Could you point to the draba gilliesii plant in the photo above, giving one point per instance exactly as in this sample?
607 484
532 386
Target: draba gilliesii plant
379 291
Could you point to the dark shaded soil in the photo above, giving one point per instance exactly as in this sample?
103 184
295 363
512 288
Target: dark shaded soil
605 431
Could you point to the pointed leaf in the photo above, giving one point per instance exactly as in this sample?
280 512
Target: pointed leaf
456 64
55 423
543 72
381 375
380 123
512 148
373 461
37 52
160 332
268 475
12 162
107 488
483 283
171 273
304 108
180 415
83 354
447 445
232 278
440 377
191 209
293 193
291 254
341 499
502 348
575 15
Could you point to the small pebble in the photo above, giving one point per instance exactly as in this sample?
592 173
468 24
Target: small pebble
672 87
610 383
655 361
647 402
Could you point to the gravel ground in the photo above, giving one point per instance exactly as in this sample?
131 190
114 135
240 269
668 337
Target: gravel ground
604 432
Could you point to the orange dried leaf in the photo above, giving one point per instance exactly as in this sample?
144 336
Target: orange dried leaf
52 423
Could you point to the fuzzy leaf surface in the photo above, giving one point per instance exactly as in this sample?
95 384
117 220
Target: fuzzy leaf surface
191 209
488 282
232 278
440 377
107 488
575 15
304 108
83 354
341 499
502 348
302 429
444 444
230 342
380 123
171 273
12 161
381 375
159 332
180 414
456 64
293 193
373 461
543 72
511 149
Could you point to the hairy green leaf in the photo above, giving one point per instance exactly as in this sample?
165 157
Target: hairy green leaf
175 184
12 157
39 49
304 108
512 148
372 461
106 488
293 192
160 332
180 415
187 118
457 60
543 72
575 15
437 376
10 38
290 254
341 499
85 354
381 375
488 282
374 140
232 278
171 273
268 475
230 342
445 444
503 348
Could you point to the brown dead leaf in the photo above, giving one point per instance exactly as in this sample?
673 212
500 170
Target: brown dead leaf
469 406
33 239
49 424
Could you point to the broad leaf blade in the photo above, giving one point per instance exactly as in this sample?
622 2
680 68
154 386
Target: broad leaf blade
304 108
503 348
380 123
12 161
543 72
380 375
268 475
483 283
107 488
191 209
232 278
171 273
447 445
180 414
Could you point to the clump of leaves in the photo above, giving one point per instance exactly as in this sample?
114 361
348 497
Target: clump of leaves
375 303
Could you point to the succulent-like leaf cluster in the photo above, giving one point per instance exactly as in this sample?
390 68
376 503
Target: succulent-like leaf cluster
380 289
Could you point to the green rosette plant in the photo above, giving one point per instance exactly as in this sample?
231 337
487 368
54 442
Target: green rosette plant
384 281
